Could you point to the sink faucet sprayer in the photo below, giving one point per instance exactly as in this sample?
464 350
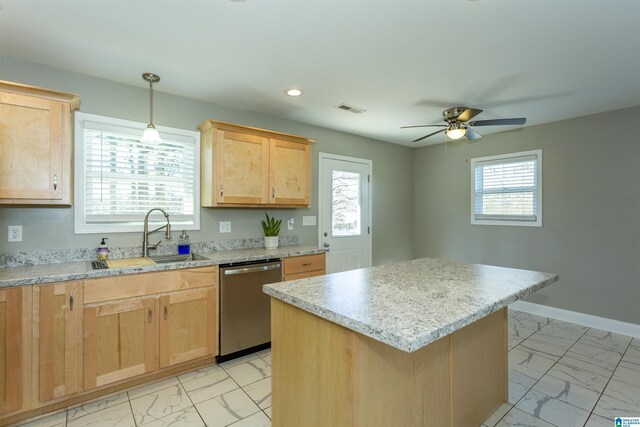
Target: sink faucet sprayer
145 236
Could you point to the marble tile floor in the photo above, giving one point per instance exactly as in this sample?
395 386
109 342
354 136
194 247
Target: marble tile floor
560 375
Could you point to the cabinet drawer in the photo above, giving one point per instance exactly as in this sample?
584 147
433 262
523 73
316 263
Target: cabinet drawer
303 264
137 285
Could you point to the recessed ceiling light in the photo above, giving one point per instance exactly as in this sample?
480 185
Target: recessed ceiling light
293 92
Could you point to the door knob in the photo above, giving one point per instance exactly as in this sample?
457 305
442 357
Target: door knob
326 234
326 245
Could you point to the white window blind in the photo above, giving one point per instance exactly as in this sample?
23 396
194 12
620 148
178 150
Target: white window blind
506 189
119 178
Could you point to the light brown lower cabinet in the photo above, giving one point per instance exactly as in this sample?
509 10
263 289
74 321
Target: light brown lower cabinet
188 326
14 321
58 312
120 341
137 335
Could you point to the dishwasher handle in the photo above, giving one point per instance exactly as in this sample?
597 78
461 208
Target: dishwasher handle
246 270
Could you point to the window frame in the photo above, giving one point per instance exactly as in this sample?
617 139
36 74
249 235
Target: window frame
79 207
538 178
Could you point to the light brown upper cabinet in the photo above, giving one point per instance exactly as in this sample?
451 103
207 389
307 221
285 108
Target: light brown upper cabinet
35 145
250 167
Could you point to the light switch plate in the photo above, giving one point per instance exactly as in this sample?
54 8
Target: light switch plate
15 233
225 226
290 223
309 220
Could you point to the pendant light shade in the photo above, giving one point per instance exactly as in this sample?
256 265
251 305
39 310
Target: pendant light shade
151 134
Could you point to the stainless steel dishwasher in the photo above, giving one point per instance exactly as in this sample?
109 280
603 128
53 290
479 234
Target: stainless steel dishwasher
245 311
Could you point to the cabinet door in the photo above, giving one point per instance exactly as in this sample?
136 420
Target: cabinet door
120 341
31 143
290 175
12 346
243 168
188 326
59 339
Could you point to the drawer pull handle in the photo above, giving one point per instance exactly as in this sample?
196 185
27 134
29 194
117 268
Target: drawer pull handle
71 302
150 315
221 191
273 192
306 264
55 182
165 312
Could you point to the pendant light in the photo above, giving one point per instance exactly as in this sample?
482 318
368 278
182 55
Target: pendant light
151 133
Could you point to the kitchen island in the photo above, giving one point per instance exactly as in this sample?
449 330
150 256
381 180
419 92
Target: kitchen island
417 343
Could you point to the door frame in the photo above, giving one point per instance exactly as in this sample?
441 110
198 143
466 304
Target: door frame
369 164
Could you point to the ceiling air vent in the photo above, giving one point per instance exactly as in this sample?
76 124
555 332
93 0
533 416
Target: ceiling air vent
351 108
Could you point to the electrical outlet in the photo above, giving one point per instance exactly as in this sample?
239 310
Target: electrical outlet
15 233
225 226
309 220
290 224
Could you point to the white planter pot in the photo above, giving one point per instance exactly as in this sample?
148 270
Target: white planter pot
271 242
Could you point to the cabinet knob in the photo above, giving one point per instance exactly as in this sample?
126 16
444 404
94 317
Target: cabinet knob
55 182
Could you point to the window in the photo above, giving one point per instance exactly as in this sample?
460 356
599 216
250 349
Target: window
507 189
118 178
345 203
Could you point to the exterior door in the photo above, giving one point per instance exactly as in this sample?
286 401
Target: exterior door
188 326
31 132
59 324
120 341
243 168
344 211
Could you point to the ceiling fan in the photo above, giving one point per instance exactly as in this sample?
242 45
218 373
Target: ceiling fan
458 124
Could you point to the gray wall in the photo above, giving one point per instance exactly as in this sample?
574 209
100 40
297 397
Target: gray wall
591 211
52 228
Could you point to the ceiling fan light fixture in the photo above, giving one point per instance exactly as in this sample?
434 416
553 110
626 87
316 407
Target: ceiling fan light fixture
151 134
456 132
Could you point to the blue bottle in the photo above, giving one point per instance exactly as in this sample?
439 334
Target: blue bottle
184 247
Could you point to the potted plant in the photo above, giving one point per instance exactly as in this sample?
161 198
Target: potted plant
271 228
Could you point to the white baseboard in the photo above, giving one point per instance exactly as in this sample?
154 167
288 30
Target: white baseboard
616 326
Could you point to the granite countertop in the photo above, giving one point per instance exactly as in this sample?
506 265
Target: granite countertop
59 272
408 305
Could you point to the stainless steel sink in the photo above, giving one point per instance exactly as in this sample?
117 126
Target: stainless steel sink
166 259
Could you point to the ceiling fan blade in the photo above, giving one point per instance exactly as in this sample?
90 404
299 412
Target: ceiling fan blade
499 122
427 136
468 114
422 126
472 135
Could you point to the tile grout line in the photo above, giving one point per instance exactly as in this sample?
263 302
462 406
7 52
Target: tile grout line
191 400
609 380
538 380
133 415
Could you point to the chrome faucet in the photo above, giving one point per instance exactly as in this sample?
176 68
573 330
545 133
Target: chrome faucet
145 236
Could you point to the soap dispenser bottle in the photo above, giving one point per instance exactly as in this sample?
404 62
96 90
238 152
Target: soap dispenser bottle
184 247
103 250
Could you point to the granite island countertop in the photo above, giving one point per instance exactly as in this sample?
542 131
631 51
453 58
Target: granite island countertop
410 304
64 271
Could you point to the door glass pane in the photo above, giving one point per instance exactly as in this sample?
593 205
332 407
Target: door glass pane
345 203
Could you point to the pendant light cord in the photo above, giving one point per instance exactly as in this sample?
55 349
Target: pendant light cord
151 103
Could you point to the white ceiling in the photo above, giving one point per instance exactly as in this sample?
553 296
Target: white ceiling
402 61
